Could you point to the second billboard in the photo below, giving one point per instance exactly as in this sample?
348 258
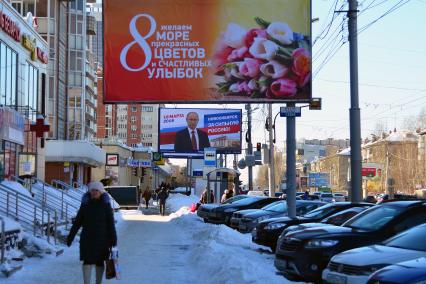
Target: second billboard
185 132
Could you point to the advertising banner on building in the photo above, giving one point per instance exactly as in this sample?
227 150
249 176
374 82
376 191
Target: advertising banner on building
187 132
211 51
319 179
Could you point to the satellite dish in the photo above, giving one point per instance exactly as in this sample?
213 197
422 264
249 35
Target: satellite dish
242 164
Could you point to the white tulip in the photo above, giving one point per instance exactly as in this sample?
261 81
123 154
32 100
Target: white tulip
234 88
281 32
263 48
273 69
234 36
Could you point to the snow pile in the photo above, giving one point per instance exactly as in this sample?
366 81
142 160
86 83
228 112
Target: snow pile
223 254
16 187
10 225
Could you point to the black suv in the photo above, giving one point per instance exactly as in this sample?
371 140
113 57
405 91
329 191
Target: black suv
267 232
222 214
304 254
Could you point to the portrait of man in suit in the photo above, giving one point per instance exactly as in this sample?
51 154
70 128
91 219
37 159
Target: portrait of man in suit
191 139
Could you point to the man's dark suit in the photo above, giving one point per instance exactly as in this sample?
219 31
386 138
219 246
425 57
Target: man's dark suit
183 141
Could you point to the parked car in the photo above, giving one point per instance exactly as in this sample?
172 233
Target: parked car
222 214
327 197
267 232
336 219
356 265
370 199
205 209
304 254
247 220
339 197
255 193
385 197
407 272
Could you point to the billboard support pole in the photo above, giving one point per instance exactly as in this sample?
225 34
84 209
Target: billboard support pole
249 146
354 112
271 155
291 164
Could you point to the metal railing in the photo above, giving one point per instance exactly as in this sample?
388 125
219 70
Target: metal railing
2 240
74 193
51 198
25 210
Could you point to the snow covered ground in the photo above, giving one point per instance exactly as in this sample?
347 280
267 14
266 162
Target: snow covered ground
179 248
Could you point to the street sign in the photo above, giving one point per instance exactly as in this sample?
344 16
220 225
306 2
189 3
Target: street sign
319 179
210 157
368 172
197 173
290 111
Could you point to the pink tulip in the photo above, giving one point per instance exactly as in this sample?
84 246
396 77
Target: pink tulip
283 88
220 56
238 54
250 67
253 33
302 65
243 87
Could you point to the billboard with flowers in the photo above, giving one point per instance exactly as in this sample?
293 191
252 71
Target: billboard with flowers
207 51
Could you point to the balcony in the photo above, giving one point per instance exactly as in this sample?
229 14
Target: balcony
91 25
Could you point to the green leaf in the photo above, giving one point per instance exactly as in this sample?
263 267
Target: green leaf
223 87
256 94
262 23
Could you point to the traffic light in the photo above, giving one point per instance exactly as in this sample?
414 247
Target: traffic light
258 146
135 171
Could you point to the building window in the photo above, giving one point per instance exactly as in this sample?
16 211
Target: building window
134 109
134 128
31 91
133 119
8 75
148 108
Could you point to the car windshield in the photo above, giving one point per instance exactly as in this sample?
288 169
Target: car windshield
410 239
374 218
342 216
279 207
234 199
320 212
326 195
338 194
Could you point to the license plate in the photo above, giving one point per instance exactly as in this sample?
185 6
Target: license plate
336 279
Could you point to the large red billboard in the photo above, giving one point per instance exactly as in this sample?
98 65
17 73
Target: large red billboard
210 51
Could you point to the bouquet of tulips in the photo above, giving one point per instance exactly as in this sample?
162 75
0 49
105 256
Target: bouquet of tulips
271 61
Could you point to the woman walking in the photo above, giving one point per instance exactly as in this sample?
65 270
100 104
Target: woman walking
98 235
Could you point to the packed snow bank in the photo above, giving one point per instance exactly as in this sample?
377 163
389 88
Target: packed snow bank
16 187
10 225
223 254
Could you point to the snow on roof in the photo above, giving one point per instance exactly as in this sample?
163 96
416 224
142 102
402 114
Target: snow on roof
400 136
345 152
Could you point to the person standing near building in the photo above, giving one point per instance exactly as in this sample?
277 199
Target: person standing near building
162 197
98 235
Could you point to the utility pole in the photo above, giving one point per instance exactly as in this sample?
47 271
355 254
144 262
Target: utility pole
249 146
291 164
354 112
271 154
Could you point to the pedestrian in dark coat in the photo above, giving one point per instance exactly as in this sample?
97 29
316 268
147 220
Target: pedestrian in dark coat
162 197
147 196
98 235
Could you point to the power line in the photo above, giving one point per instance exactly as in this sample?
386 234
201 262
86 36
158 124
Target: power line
391 10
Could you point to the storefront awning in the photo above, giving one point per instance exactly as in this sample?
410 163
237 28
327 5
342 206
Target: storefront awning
76 151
